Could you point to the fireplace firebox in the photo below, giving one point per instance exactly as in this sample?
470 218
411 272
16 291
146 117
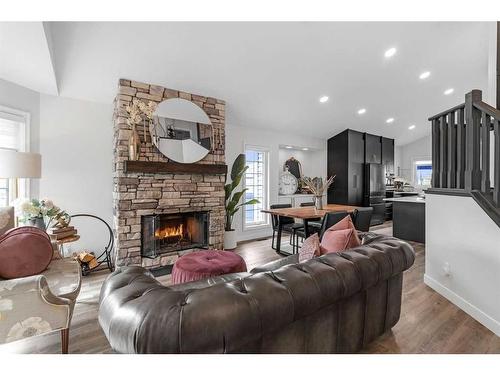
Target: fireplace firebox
166 233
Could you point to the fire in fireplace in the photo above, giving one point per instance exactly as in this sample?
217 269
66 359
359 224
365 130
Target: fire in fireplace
173 232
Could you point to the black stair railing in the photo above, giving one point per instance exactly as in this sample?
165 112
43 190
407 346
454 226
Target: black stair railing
461 150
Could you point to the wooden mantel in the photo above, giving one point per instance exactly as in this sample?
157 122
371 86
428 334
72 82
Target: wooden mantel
132 166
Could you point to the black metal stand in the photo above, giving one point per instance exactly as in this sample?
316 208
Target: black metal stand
105 256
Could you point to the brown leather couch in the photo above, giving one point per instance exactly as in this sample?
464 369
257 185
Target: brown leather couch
336 303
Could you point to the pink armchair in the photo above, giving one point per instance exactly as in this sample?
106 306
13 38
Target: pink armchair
40 303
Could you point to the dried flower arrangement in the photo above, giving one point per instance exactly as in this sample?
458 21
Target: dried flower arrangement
138 111
318 188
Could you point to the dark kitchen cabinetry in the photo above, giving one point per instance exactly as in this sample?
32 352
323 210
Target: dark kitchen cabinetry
346 162
373 149
388 155
349 155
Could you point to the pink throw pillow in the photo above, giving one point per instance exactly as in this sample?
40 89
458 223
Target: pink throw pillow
345 223
310 248
339 240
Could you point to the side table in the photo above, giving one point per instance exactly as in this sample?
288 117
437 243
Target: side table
60 243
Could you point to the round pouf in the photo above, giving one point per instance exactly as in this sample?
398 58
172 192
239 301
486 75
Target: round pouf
206 263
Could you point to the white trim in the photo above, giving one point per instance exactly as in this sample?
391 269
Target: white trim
266 150
24 118
21 116
483 318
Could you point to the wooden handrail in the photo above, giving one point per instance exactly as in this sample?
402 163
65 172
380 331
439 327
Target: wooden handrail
488 109
461 145
444 113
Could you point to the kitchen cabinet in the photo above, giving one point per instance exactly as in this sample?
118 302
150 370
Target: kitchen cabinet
346 163
388 155
349 152
373 148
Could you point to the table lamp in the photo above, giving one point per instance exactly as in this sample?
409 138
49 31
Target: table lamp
16 164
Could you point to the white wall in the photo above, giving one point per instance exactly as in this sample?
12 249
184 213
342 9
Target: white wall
237 137
18 97
76 143
406 155
460 234
313 161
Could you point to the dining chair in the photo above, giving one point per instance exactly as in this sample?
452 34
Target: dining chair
287 224
314 226
307 204
361 218
330 219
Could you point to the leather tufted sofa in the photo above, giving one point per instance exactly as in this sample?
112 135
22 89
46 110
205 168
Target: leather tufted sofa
336 303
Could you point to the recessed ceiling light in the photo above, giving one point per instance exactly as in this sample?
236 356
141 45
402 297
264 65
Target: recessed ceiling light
288 147
361 111
305 149
449 91
389 120
411 127
390 52
424 75
323 99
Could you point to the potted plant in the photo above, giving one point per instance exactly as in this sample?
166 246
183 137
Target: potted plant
233 200
38 213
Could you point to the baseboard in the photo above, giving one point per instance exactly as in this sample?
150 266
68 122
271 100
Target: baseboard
483 318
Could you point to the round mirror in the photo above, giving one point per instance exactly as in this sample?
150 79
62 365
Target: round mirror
181 131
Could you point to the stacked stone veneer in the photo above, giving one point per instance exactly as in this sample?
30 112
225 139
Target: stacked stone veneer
137 194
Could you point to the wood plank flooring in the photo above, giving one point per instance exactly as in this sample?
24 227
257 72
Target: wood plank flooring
428 324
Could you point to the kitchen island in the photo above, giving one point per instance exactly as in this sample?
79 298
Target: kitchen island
408 218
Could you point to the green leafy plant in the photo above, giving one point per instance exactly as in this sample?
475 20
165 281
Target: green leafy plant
233 198
45 209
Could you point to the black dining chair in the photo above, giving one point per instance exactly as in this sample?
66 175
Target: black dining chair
307 204
288 225
330 219
313 224
361 218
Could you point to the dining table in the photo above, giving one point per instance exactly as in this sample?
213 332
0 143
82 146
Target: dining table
306 214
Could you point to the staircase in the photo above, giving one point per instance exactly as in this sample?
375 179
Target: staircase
461 149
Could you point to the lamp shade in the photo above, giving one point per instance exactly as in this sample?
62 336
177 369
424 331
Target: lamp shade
15 164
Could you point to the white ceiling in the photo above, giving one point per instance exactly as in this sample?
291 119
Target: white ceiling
26 55
272 74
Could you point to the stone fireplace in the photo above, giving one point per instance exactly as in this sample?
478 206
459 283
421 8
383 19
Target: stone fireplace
180 209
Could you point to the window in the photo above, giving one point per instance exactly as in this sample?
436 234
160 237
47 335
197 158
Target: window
423 173
256 181
13 136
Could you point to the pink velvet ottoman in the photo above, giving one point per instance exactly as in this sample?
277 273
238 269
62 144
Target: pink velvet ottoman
206 263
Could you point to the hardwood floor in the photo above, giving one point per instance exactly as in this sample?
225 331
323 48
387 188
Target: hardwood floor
428 324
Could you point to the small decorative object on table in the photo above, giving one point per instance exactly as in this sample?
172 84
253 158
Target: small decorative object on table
318 188
233 200
61 233
39 213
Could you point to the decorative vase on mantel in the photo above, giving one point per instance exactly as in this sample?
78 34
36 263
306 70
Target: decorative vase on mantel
134 144
38 222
